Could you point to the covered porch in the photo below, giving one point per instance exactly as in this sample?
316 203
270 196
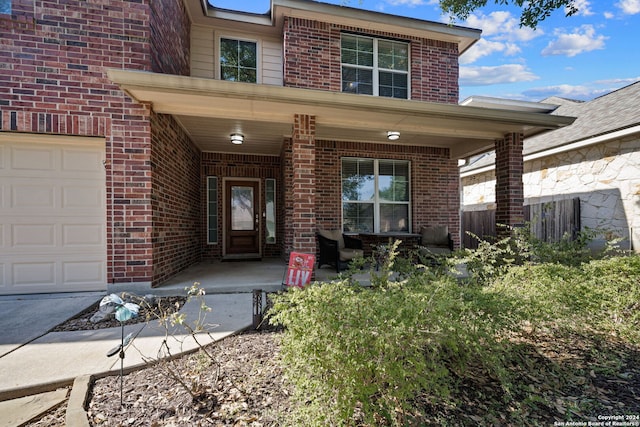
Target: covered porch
298 138
215 276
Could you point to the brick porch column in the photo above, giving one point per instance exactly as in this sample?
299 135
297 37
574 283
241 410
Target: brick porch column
300 182
509 186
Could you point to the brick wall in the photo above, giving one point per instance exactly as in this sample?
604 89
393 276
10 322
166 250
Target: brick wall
509 186
224 165
435 194
176 199
170 37
300 186
53 56
312 60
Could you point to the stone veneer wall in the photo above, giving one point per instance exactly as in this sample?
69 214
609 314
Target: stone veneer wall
435 191
312 60
606 178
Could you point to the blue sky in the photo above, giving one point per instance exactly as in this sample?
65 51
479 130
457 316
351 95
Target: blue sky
580 57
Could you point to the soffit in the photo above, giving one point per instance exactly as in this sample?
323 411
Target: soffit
210 110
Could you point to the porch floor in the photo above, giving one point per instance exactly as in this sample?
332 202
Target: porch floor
233 277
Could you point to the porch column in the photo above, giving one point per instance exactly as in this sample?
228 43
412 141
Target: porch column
509 186
300 183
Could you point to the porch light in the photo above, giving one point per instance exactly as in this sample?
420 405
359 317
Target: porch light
237 138
393 135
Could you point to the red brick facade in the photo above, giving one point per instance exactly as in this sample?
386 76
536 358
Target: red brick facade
509 186
312 60
53 61
176 199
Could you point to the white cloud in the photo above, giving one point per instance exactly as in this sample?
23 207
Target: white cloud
484 47
584 8
502 26
584 92
583 39
620 82
482 76
629 7
608 15
562 91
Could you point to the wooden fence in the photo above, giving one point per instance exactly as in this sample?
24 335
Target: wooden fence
548 221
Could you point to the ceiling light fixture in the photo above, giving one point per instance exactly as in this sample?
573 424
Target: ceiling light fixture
237 138
393 135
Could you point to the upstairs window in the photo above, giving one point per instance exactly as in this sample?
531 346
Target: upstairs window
375 195
238 60
373 66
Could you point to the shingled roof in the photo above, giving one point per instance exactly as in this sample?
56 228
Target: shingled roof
615 111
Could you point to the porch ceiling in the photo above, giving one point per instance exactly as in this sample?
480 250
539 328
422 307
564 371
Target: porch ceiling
210 110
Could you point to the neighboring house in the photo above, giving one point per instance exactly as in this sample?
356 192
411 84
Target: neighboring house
138 138
596 159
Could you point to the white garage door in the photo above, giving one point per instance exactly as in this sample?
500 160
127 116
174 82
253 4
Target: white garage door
52 214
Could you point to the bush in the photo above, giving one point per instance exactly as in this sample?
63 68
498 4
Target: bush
363 355
380 355
600 295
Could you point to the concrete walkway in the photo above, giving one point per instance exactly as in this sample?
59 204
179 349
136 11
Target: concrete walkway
34 360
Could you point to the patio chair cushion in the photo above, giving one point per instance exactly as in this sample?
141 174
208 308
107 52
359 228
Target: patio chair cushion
333 235
437 235
347 254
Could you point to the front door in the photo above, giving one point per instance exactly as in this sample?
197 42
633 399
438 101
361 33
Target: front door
242 220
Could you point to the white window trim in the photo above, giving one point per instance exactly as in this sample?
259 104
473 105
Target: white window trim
217 202
266 198
243 39
375 69
376 199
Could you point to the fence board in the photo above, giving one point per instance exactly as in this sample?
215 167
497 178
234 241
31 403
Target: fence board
548 221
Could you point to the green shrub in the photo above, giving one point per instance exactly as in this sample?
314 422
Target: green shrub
375 355
358 354
602 295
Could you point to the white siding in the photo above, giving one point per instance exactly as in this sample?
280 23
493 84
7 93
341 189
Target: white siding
204 42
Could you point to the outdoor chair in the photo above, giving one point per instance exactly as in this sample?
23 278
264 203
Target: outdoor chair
435 241
337 249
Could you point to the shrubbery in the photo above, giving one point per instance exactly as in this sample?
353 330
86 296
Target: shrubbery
364 355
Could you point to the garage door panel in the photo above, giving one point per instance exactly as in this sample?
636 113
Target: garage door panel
29 196
78 160
52 214
77 235
83 236
82 197
42 274
33 236
34 273
33 158
85 272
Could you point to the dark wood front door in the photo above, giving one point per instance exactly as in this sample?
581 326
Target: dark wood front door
242 219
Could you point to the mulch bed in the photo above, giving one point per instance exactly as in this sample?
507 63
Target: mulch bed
81 322
568 377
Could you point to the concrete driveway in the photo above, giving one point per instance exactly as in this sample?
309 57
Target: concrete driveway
23 318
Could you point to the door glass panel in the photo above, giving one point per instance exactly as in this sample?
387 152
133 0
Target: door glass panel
242 210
